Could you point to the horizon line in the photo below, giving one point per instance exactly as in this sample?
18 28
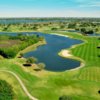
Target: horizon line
48 17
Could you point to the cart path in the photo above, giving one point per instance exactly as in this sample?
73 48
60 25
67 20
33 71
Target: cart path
21 83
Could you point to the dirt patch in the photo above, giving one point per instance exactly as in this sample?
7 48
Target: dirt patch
9 43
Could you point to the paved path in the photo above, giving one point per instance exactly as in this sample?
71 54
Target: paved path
21 83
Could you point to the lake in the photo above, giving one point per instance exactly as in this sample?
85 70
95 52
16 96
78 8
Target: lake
29 20
48 53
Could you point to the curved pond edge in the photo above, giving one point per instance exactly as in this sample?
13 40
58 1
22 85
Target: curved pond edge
69 55
32 47
68 49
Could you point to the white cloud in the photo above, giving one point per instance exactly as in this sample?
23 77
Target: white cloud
90 3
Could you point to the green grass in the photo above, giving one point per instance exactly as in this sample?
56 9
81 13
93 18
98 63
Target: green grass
19 93
90 74
81 84
89 52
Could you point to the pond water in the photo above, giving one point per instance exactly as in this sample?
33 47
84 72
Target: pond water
48 53
94 34
29 20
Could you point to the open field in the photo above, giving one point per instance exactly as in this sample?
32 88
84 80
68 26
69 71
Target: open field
80 84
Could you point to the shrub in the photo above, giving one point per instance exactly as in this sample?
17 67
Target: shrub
64 97
21 54
31 60
6 92
8 53
54 29
41 66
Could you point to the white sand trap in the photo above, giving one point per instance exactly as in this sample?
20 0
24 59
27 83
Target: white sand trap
66 53
59 34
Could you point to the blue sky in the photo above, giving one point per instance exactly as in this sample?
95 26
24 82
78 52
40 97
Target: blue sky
49 8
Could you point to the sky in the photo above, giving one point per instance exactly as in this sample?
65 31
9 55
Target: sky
49 8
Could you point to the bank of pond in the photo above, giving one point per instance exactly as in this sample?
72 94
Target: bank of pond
48 53
11 45
90 33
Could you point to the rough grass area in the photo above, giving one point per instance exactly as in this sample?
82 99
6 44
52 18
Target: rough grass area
18 92
9 43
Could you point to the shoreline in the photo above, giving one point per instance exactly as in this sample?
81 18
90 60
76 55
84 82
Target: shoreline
31 47
66 53
63 53
59 34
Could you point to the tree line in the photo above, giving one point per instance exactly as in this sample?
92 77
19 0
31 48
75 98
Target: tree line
25 41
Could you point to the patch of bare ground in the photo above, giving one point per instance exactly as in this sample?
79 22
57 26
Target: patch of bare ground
9 43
